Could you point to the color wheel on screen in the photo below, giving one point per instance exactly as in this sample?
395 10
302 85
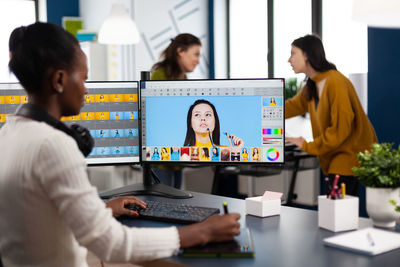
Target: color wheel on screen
272 154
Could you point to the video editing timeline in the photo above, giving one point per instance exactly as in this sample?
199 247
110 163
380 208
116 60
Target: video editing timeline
110 113
251 110
12 95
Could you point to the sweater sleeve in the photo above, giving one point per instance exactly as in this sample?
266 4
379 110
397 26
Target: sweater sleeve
341 119
297 105
63 177
158 75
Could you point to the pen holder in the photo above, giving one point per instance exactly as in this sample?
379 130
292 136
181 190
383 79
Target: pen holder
338 214
254 206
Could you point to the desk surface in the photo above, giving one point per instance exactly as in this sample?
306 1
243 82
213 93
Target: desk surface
291 239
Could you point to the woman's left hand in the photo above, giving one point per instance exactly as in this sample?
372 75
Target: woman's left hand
298 141
117 205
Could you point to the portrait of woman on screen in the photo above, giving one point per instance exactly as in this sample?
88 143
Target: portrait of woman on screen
203 126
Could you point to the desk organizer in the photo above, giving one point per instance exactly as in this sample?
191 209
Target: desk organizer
254 206
338 214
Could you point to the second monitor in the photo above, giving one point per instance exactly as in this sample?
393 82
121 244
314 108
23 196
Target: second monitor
213 121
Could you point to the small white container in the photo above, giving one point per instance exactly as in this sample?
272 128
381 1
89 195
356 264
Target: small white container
338 214
254 206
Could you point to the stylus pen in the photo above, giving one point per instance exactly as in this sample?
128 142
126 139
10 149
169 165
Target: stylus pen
230 139
209 135
225 207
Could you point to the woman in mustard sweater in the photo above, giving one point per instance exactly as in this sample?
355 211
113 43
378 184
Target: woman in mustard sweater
340 126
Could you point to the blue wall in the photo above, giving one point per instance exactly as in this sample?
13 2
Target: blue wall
384 83
56 9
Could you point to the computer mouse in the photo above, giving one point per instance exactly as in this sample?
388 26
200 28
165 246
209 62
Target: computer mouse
133 207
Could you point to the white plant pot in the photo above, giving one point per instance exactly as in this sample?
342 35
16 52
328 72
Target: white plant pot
379 209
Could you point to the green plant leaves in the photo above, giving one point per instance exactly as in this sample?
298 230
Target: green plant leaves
291 88
379 167
392 202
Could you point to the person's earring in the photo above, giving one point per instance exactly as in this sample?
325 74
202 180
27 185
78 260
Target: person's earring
60 90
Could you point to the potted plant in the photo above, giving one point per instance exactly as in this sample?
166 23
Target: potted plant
379 172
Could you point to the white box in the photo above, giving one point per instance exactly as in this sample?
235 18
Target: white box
254 206
338 214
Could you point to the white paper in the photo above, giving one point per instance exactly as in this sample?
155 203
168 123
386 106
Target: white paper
269 195
370 241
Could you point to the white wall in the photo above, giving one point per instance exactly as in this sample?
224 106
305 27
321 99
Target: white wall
158 21
220 40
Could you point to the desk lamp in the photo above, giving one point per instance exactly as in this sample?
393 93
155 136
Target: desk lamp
118 28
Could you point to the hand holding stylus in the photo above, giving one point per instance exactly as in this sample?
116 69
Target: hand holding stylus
234 140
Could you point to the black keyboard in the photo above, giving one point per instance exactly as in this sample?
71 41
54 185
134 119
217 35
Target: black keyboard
173 212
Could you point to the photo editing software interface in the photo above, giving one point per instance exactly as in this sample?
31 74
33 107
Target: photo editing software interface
110 114
220 121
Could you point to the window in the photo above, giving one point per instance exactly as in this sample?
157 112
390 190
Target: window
292 19
12 14
248 39
345 41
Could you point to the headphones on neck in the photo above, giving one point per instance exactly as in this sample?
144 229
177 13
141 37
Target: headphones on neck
80 134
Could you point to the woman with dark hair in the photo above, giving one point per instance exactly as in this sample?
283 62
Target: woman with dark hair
205 154
55 214
255 156
164 154
156 154
181 56
340 126
245 155
206 123
203 128
215 154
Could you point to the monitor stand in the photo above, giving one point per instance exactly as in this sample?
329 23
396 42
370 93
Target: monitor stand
147 188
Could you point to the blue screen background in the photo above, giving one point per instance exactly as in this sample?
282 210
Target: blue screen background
238 115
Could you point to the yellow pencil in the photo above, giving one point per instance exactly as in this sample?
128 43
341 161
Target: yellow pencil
343 185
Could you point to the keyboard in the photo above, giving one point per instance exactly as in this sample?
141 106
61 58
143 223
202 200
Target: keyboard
173 212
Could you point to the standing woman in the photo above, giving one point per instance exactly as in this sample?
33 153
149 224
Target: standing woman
49 212
181 56
340 126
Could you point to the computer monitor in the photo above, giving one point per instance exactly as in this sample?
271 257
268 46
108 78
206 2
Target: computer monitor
227 122
111 114
247 126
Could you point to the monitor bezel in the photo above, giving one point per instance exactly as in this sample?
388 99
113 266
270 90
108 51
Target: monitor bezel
209 163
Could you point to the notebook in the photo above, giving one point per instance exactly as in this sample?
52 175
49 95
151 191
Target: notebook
241 247
369 241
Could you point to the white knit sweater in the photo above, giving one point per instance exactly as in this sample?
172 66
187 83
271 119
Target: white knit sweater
49 212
